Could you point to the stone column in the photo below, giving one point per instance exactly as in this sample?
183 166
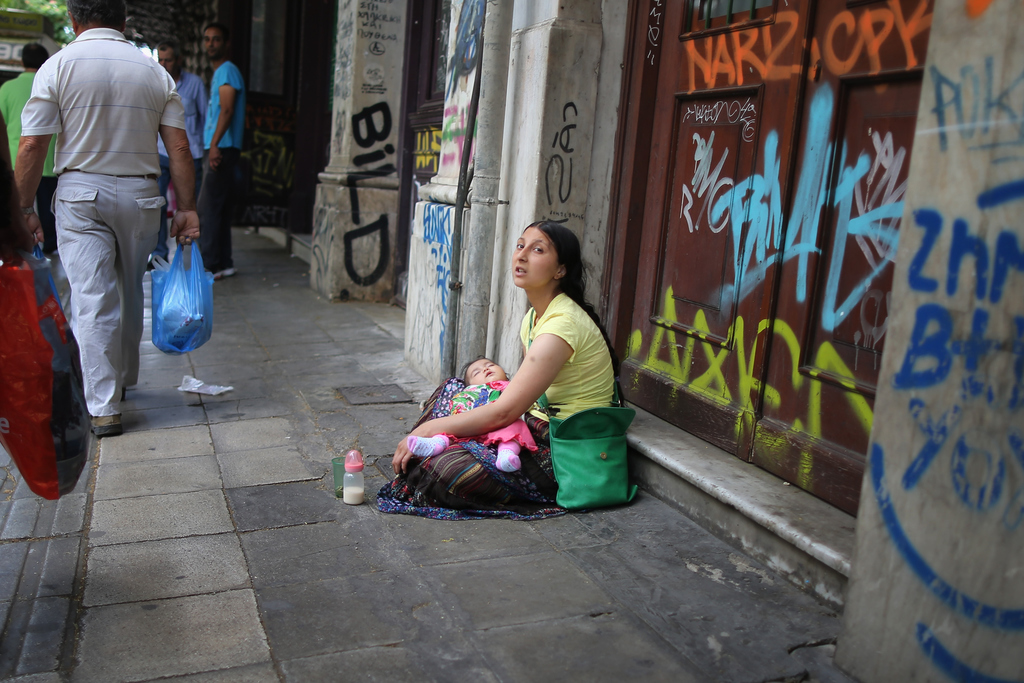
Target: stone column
355 234
558 70
937 586
555 72
430 248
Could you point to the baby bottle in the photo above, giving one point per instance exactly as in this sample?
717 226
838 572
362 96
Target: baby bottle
353 482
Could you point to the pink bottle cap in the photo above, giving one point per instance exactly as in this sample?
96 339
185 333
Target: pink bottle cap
353 461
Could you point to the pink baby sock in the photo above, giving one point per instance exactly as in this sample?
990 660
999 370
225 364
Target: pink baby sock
427 446
508 457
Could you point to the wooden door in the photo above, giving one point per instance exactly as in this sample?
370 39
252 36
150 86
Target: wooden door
828 332
780 141
723 119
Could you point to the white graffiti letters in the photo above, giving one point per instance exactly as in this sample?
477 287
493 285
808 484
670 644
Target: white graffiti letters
734 111
703 179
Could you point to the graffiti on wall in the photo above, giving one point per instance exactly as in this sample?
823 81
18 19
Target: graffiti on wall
271 160
983 469
710 380
462 72
437 233
379 22
259 214
974 109
558 175
766 51
269 163
323 245
866 205
963 358
428 150
466 54
653 31
725 111
371 128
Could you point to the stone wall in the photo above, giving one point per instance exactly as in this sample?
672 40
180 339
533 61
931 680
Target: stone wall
563 90
935 591
355 235
565 78
431 243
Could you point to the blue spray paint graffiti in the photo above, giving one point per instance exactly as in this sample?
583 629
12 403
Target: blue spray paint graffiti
932 351
971 106
972 608
864 215
437 231
948 663
979 460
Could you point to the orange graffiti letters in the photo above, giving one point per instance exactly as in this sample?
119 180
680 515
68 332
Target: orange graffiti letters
868 33
719 55
975 8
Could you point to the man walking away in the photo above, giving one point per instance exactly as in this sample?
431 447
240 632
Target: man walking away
225 125
193 98
105 101
13 96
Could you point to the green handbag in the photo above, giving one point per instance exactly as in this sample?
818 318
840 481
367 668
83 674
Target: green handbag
588 454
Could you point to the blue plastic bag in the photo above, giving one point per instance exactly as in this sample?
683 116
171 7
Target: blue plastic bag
182 305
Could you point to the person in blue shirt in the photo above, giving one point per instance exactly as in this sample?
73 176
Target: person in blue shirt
193 95
222 138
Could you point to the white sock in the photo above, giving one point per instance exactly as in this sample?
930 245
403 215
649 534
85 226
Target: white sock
508 457
427 446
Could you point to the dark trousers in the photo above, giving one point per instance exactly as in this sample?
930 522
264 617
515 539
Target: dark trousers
164 182
44 197
216 210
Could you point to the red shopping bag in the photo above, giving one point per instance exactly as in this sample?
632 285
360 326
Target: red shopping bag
44 421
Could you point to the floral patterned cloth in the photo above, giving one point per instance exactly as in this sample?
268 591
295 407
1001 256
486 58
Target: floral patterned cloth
474 396
463 481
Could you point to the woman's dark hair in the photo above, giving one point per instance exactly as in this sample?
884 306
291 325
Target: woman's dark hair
103 12
574 284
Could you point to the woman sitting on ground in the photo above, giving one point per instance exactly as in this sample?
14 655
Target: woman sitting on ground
567 357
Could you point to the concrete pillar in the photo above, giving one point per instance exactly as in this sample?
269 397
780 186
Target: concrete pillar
937 586
563 90
426 305
431 243
355 233
557 66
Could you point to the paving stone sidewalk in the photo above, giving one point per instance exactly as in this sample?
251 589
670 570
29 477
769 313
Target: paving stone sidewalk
206 543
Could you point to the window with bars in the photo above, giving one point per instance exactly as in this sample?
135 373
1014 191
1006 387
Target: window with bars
701 13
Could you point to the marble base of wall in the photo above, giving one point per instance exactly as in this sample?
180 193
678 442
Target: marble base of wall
354 242
428 295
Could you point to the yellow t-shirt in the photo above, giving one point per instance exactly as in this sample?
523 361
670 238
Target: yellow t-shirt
587 379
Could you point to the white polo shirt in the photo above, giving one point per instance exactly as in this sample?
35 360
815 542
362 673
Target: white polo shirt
105 101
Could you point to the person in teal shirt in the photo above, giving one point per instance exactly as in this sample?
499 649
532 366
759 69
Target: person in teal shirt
222 139
13 96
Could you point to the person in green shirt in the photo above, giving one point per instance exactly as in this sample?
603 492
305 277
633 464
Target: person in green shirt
13 96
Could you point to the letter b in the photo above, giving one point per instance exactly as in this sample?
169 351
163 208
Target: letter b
927 345
364 120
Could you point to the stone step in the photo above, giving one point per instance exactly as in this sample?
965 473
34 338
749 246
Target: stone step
794 533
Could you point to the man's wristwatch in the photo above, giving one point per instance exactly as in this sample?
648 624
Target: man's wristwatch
28 210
